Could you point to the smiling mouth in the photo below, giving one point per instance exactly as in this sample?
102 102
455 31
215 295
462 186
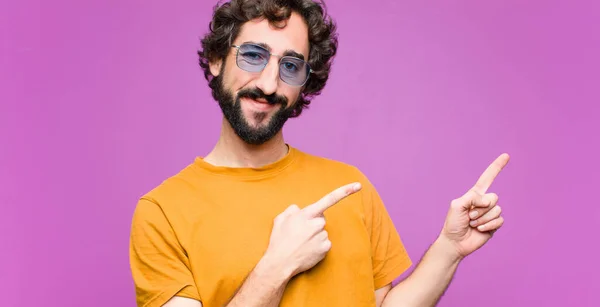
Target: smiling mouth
261 100
260 103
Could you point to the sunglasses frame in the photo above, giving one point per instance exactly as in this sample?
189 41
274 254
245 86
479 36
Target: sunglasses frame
237 47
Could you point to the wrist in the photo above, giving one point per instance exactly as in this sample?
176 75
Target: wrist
273 270
447 248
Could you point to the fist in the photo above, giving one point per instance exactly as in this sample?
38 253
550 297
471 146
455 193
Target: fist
474 217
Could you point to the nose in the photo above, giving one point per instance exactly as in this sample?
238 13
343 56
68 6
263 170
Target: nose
269 77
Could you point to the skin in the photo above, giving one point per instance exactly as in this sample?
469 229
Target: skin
457 240
470 222
230 150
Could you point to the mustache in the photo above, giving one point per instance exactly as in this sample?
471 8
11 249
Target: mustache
256 93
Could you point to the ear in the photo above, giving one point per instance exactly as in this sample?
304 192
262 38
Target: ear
215 67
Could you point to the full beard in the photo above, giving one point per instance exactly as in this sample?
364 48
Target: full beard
232 111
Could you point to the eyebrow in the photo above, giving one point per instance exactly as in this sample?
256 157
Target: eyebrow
288 52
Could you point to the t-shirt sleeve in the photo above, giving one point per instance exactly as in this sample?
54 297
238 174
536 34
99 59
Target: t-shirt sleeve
159 264
389 256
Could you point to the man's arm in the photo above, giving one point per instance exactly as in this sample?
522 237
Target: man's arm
264 286
428 281
179 301
381 293
471 222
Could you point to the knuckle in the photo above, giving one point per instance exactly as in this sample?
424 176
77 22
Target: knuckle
322 222
280 217
288 210
319 222
332 199
472 194
348 190
456 203
493 198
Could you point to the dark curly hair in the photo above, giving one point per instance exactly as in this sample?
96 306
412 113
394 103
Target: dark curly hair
229 17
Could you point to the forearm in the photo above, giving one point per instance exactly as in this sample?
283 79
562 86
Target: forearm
264 286
429 281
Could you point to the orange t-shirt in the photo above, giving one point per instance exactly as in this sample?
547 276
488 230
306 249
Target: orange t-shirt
201 232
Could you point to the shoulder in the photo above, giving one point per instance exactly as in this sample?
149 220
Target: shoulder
331 166
174 190
167 206
338 171
332 173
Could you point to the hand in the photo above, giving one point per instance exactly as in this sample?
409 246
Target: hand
298 239
474 217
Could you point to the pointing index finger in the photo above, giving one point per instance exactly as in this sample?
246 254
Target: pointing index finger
332 198
487 178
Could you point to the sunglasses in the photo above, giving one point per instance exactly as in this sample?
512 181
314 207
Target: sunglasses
254 58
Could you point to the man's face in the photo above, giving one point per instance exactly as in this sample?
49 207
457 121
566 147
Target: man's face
257 104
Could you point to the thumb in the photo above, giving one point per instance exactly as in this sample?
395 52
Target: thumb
470 200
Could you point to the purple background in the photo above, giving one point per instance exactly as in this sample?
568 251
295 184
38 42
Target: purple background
102 100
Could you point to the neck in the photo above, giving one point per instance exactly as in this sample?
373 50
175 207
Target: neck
231 151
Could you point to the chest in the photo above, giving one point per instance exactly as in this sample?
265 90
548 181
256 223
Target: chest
230 234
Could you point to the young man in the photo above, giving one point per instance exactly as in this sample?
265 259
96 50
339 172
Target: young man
257 222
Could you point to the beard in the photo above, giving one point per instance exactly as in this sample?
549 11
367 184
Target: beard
232 111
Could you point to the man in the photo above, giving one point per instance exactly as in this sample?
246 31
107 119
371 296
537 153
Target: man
257 222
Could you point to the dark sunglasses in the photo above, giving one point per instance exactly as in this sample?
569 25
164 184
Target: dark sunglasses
254 58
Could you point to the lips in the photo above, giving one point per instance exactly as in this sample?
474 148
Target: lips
261 100
256 95
260 104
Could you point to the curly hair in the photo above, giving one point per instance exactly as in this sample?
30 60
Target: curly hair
229 17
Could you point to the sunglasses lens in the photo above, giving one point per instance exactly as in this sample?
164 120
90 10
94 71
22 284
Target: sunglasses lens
252 58
293 71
